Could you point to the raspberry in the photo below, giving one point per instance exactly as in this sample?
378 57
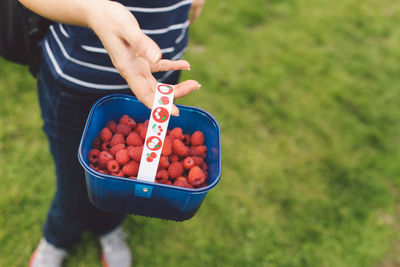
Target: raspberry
122 156
170 137
188 163
175 169
103 171
119 174
197 138
186 139
94 167
117 139
113 166
162 176
134 139
105 134
123 129
164 162
97 142
179 148
135 152
127 120
200 150
94 155
167 147
132 177
204 167
177 133
198 161
131 168
139 127
105 146
173 158
116 148
196 176
201 185
182 182
112 125
104 158
169 182
143 132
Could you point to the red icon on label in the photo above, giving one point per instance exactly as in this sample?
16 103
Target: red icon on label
165 89
160 114
164 100
154 143
151 156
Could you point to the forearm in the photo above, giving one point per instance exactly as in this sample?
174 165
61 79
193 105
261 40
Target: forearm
75 12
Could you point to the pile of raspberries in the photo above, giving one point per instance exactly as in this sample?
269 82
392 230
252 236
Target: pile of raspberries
117 150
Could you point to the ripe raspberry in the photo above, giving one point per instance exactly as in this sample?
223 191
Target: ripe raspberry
173 158
134 139
129 121
186 139
204 167
97 142
132 177
105 146
104 158
113 166
131 168
179 148
94 155
143 132
116 148
177 133
112 125
197 138
200 150
196 176
94 167
123 129
198 161
188 163
164 162
135 152
169 182
170 137
175 169
117 139
105 134
167 148
201 185
139 127
182 182
103 172
122 156
162 176
119 174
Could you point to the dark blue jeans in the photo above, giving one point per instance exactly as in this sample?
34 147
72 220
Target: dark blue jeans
64 111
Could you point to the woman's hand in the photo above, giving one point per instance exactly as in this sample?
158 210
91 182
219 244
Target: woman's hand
134 54
195 9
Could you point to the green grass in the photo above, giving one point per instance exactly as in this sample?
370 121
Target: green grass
307 95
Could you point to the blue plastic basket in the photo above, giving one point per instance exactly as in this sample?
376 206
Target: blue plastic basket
123 195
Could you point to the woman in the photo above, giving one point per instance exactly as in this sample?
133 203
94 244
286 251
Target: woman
99 47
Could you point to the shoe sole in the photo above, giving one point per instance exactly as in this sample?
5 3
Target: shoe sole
103 260
32 258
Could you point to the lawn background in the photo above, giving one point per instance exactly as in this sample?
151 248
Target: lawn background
307 94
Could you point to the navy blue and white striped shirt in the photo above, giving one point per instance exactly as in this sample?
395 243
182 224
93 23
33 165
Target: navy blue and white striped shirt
78 59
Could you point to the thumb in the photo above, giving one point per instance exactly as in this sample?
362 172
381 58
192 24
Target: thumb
144 45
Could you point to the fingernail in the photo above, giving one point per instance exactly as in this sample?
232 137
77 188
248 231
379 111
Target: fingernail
175 112
198 87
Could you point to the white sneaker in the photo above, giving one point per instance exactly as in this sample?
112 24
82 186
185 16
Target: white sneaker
116 252
47 255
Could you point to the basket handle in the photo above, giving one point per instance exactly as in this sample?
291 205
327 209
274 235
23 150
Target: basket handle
156 131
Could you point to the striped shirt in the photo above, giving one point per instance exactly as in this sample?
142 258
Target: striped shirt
77 58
